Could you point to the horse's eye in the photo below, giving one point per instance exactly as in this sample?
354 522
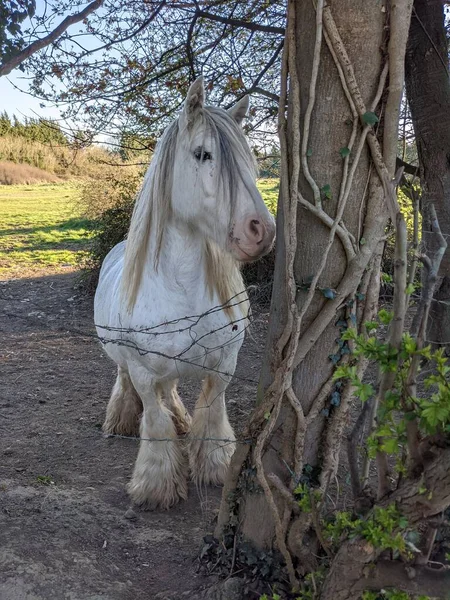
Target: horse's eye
202 155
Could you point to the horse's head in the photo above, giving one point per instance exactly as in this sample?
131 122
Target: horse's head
214 178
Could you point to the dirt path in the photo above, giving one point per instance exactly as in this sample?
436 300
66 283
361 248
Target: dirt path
63 533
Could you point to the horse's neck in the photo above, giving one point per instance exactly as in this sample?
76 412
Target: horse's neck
181 257
195 268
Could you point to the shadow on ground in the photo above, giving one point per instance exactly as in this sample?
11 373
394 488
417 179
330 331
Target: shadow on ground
63 530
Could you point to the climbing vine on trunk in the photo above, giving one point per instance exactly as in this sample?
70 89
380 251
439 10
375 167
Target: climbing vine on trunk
341 88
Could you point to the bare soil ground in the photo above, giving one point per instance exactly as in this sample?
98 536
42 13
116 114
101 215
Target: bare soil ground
63 530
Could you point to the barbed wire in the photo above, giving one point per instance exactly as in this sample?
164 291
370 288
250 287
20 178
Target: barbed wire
183 438
193 321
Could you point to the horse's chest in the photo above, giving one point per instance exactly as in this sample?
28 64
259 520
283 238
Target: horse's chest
188 346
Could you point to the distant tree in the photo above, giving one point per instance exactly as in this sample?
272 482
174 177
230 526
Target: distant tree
39 130
5 123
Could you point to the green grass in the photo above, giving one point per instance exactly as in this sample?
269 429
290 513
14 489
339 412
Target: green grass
40 228
269 191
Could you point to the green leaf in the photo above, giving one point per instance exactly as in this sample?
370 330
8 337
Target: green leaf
370 118
340 372
365 391
326 191
309 152
267 415
385 316
344 152
362 241
410 288
390 446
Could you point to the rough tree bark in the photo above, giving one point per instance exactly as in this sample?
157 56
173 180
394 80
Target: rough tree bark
343 64
428 93
330 130
338 75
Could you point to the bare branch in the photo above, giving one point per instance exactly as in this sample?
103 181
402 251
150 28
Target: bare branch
18 58
239 23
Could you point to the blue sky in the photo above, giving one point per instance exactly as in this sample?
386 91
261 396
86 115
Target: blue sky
19 103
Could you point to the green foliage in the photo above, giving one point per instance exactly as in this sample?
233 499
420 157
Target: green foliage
390 595
397 407
434 412
12 15
370 118
384 528
406 207
305 496
36 130
311 583
326 191
363 391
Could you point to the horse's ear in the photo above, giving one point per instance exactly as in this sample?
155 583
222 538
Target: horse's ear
240 109
194 100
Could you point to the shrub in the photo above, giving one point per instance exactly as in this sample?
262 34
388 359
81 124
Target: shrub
13 174
107 200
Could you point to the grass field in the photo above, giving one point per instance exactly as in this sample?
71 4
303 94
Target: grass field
269 192
40 229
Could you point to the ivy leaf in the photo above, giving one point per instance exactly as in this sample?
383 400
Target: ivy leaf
335 398
344 152
326 191
370 118
329 293
335 358
365 391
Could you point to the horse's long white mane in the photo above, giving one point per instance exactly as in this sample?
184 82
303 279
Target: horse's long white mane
153 205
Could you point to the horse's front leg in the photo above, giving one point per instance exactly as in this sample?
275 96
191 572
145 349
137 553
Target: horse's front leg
159 476
210 448
124 407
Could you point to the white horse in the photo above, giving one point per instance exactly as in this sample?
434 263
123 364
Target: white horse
171 301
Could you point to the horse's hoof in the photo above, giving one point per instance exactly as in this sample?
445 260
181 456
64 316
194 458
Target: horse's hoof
160 495
209 462
121 428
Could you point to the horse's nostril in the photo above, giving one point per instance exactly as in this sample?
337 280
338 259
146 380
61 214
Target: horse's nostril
255 230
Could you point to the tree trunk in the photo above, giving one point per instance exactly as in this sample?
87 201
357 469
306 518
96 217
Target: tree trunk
337 182
428 92
361 27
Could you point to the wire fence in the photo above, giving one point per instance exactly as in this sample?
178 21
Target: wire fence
173 327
